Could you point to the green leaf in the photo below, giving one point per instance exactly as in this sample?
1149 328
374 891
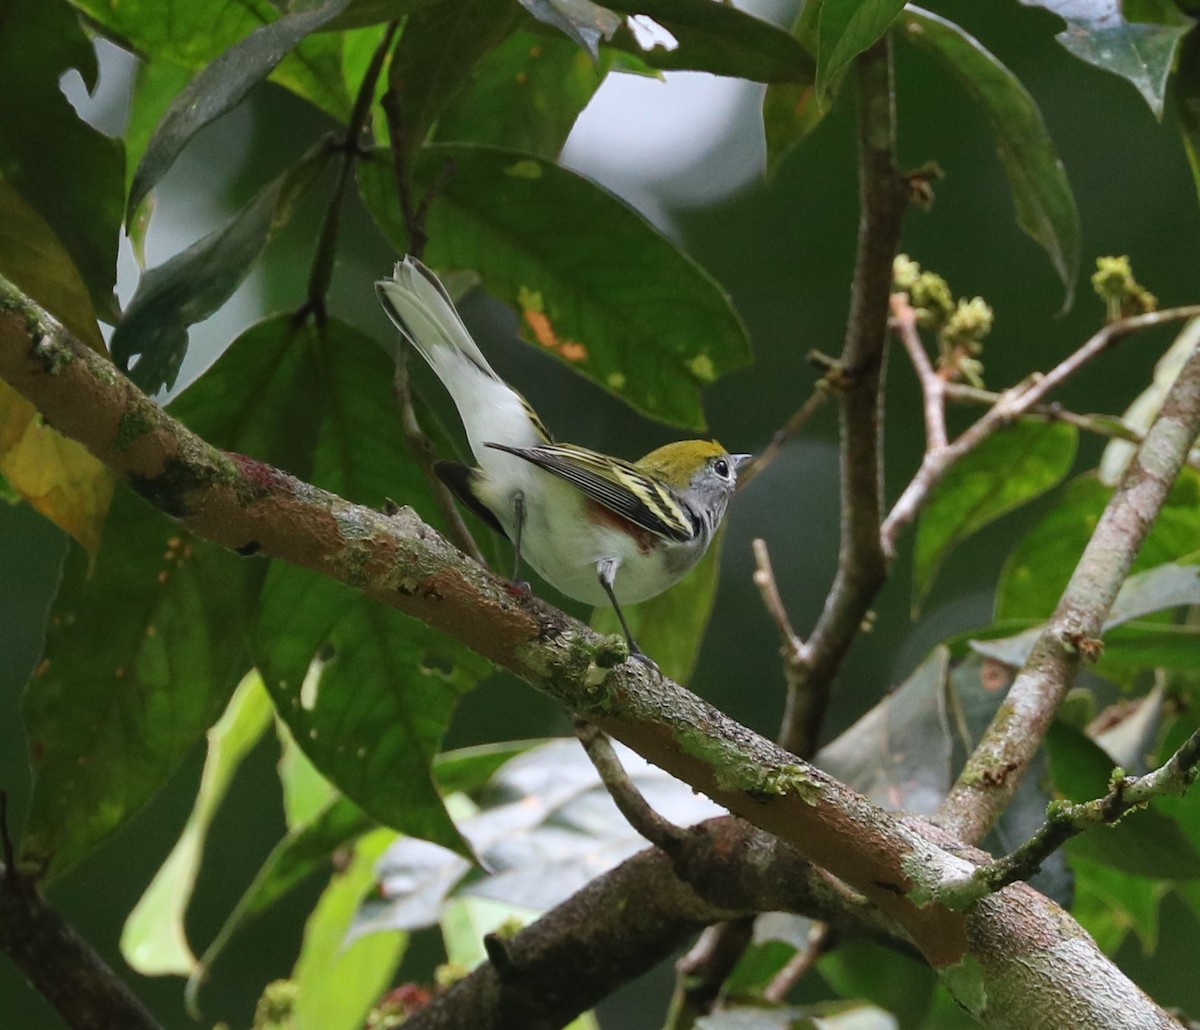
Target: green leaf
141 654
153 940
587 23
337 983
1144 843
34 260
670 627
1099 33
432 63
792 110
192 33
716 38
847 28
635 314
1045 204
1009 469
221 86
526 95
371 710
1109 904
362 13
71 174
1039 567
194 283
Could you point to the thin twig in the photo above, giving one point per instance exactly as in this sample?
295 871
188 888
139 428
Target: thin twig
787 433
933 386
821 939
794 649
1012 404
660 832
1000 760
1065 820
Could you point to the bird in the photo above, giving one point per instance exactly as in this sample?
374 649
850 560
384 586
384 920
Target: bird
597 528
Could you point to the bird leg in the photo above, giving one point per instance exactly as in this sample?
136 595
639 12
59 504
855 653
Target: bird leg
520 586
606 572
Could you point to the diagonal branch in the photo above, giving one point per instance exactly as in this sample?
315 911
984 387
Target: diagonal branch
1002 757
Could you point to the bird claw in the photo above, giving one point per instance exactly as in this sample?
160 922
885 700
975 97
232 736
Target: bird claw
639 655
519 588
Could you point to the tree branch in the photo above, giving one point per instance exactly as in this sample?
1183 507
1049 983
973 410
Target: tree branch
57 962
1012 404
893 862
1001 759
1065 820
883 198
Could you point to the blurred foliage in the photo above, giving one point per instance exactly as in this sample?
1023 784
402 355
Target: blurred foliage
135 661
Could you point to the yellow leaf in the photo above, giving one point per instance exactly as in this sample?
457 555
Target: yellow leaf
57 476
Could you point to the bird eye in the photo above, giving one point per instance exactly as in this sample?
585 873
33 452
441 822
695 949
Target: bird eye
721 467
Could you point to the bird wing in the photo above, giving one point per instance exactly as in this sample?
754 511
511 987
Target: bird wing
618 486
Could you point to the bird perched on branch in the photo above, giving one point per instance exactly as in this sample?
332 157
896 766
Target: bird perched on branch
596 527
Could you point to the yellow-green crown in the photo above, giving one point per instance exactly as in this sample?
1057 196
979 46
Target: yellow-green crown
676 463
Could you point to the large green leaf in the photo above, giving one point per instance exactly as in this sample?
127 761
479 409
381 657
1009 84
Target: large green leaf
1040 565
372 709
846 29
194 32
1099 33
1009 469
221 86
432 63
67 171
594 282
153 940
141 654
716 38
194 283
525 95
670 627
1044 201
337 983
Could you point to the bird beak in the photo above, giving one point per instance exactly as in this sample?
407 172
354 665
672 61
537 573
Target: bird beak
740 461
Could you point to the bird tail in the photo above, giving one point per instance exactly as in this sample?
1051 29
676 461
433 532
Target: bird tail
419 306
490 409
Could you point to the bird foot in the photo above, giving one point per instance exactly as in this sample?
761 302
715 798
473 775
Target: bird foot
638 654
519 588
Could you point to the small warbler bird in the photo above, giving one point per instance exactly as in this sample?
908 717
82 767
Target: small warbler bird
595 527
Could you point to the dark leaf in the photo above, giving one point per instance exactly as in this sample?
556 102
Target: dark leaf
847 28
193 33
587 23
1045 204
1009 469
69 173
898 754
141 655
1186 89
524 95
371 710
716 38
196 282
221 86
638 316
1098 32
433 62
